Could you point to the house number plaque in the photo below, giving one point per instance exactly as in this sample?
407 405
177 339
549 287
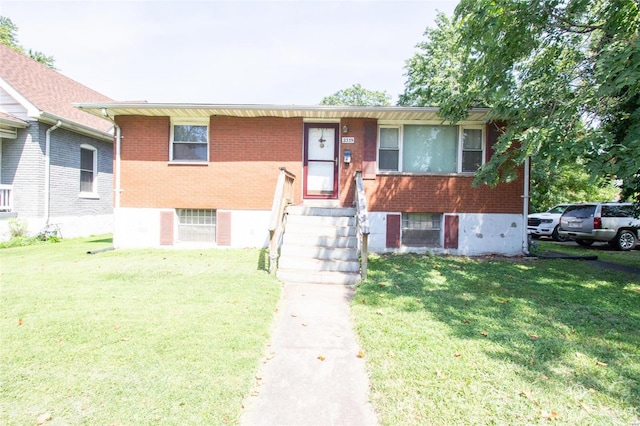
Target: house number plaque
348 139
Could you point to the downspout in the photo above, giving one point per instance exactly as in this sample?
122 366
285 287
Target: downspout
117 189
118 135
525 207
47 171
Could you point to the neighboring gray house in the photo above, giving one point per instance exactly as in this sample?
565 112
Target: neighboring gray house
56 162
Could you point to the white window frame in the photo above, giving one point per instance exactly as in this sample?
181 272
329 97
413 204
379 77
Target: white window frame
378 148
192 219
461 130
188 122
94 183
459 147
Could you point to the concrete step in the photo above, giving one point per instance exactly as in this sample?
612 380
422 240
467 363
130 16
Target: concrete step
320 221
321 211
319 241
319 246
323 277
319 231
318 252
316 265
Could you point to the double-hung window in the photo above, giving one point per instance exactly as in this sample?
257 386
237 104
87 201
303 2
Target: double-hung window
389 148
427 148
88 169
472 147
189 141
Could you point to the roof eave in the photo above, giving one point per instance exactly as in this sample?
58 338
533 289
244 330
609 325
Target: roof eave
320 111
76 127
13 122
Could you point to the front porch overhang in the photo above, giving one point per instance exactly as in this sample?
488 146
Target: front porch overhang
283 111
9 126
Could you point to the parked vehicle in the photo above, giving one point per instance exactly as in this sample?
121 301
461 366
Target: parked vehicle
609 222
545 224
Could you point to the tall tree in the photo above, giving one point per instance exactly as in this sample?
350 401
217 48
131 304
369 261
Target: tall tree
434 74
563 74
357 95
8 37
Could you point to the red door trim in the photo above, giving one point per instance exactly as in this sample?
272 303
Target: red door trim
336 151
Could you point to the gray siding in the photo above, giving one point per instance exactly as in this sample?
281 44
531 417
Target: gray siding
65 175
23 167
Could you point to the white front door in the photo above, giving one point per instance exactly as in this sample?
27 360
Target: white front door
320 160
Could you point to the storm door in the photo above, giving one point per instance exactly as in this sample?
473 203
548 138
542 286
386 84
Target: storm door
320 160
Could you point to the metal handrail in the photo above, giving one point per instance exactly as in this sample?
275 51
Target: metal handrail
362 222
282 197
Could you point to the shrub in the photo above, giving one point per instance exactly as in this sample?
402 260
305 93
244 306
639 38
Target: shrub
18 228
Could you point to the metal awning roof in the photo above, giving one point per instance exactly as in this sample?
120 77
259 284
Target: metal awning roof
284 111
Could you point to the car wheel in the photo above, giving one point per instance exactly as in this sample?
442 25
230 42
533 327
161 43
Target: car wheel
626 240
556 236
584 243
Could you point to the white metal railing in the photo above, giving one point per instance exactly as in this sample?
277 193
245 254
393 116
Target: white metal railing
282 197
6 198
362 223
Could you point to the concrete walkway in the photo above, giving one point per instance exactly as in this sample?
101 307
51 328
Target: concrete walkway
312 374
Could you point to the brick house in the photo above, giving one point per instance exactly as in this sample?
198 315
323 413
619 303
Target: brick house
56 162
206 174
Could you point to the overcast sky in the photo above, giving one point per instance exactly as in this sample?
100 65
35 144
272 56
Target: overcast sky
238 52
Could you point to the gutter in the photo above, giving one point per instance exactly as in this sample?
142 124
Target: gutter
47 170
79 128
118 140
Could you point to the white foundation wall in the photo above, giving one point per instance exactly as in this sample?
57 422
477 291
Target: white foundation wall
478 234
250 228
136 228
83 226
140 228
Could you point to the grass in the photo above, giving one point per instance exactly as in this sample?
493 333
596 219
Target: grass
461 341
132 336
602 250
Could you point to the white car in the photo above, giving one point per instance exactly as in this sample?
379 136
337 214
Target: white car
546 224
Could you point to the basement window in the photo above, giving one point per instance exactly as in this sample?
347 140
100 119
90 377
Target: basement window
421 229
197 225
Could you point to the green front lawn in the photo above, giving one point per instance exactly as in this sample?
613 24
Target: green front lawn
130 337
453 341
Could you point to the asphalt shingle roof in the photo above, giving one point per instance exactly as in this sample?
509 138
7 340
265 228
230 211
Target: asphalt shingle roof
48 90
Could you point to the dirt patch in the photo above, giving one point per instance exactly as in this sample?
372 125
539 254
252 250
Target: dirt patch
602 264
617 267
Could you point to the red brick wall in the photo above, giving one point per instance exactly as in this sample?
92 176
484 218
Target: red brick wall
347 184
245 157
441 194
423 193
